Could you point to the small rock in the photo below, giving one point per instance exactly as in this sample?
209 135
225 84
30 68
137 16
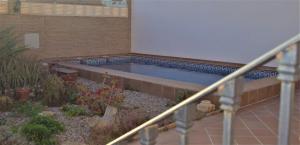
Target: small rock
206 106
47 113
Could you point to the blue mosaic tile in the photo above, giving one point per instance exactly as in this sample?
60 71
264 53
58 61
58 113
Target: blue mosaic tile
203 68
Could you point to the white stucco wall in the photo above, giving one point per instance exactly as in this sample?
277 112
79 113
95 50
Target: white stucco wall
222 30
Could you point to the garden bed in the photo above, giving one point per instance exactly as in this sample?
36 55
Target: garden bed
40 105
78 128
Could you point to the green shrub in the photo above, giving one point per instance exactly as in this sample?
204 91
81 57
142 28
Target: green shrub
29 109
51 124
36 132
53 91
40 130
73 110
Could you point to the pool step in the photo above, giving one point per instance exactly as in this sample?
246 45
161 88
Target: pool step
68 75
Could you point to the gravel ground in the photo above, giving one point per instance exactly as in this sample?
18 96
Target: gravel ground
152 105
92 85
76 128
12 119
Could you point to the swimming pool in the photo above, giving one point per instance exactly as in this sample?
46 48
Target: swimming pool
168 77
204 74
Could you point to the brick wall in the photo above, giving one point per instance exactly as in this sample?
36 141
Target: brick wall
72 36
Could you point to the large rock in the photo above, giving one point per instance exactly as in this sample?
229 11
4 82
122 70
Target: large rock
93 121
110 113
206 106
108 118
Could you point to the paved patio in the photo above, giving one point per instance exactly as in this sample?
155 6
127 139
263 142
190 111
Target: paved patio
255 125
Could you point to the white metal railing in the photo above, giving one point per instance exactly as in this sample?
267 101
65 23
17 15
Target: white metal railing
65 9
115 3
230 88
57 9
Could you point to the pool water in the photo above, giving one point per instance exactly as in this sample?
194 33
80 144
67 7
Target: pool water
186 71
167 73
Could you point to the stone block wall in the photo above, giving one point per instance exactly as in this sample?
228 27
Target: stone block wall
72 36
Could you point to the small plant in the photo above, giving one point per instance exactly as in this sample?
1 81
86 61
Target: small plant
6 103
112 94
29 109
128 87
182 95
73 110
40 130
95 105
15 129
53 91
71 93
2 121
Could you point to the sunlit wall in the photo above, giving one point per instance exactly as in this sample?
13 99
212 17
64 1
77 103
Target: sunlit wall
222 30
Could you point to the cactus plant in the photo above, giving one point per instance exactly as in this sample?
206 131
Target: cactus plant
16 71
53 91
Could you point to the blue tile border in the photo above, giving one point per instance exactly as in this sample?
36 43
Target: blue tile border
178 64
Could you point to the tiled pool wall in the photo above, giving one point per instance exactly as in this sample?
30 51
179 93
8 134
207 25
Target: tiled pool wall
172 63
263 86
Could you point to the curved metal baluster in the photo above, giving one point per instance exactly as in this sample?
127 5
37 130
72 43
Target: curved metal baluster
184 121
288 69
230 94
148 135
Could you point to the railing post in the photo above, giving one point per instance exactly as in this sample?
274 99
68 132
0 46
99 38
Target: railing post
148 135
184 121
288 74
230 94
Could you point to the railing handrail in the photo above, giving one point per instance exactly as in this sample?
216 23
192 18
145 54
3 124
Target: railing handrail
210 89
